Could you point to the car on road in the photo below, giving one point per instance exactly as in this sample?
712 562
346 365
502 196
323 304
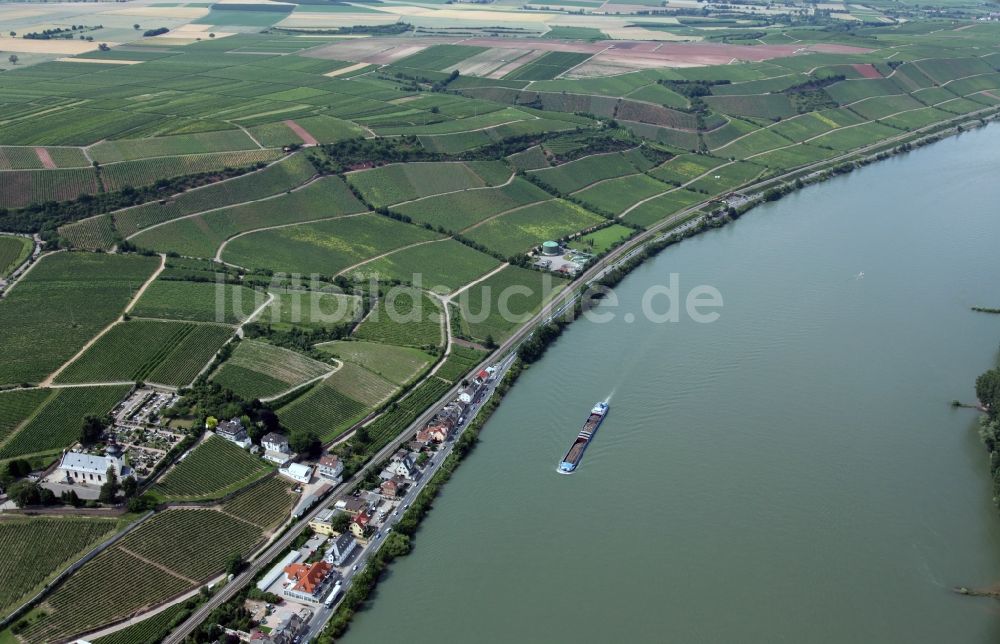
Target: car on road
406 506
355 567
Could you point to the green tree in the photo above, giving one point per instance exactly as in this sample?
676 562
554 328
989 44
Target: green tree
109 491
25 494
305 442
129 487
92 430
235 564
988 391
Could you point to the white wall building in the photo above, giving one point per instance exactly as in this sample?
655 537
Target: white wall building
90 469
297 472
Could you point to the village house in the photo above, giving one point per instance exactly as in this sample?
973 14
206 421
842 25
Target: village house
276 448
297 472
234 432
330 467
307 582
359 526
87 469
322 523
351 505
341 549
402 463
393 487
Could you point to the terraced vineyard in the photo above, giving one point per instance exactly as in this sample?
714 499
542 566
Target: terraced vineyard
56 424
324 410
405 318
258 370
213 469
147 171
24 566
167 353
266 504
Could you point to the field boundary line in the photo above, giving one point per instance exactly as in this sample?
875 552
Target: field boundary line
510 180
391 252
31 265
600 181
340 365
308 182
505 212
163 568
479 279
128 307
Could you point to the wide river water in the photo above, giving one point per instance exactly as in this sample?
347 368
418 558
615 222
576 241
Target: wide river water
790 473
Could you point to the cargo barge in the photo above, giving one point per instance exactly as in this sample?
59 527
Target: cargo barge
575 453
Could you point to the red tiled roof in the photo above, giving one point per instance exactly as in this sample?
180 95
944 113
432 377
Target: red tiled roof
308 577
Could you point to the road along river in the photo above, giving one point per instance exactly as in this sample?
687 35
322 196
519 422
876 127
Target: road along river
791 472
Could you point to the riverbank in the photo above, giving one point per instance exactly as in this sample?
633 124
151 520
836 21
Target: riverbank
864 487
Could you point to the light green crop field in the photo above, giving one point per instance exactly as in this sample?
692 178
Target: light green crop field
496 306
326 247
259 370
441 266
198 302
308 310
213 469
615 195
323 410
459 210
404 317
523 229
397 183
601 241
13 252
396 364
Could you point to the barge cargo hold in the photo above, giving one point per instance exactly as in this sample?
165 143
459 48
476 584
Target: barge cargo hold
575 453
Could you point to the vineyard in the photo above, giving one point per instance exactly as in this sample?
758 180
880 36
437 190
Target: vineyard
192 543
148 171
396 364
459 210
358 383
521 230
410 318
107 598
63 301
153 629
131 149
266 504
16 405
23 187
168 353
259 370
201 236
309 310
24 566
13 252
197 302
57 424
441 266
579 174
213 469
482 301
323 410
323 247
459 362
94 233
395 183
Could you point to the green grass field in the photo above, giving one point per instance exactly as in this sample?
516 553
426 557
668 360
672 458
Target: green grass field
167 353
601 241
213 469
399 365
260 370
61 303
656 209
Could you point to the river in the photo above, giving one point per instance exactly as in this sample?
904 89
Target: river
792 472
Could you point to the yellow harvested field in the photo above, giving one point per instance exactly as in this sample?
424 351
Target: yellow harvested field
320 20
474 15
181 13
25 46
346 70
99 61
8 12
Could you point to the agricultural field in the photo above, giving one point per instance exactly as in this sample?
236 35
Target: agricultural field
459 210
161 352
142 172
308 310
727 177
520 230
393 184
660 207
202 235
152 629
261 370
93 233
323 410
441 266
405 317
61 303
24 566
491 310
324 247
685 168
276 178
548 66
576 175
459 362
266 504
358 383
13 252
603 240
615 195
198 302
211 470
56 424
130 150
23 187
399 365
16 405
